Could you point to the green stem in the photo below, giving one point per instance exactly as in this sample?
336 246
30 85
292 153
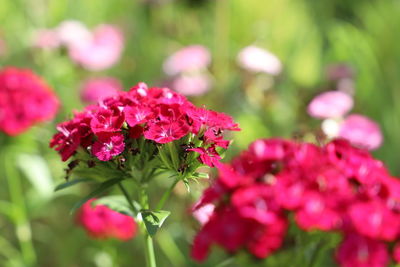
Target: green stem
23 229
149 250
174 155
149 247
166 195
128 198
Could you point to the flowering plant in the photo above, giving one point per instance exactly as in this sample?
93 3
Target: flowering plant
136 136
277 185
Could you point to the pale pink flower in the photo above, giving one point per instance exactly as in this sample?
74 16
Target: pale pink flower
361 131
74 33
256 59
46 39
188 59
95 89
203 214
102 52
330 104
192 84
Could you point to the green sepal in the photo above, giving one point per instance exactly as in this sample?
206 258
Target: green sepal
153 220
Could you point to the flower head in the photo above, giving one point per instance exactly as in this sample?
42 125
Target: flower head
25 99
256 59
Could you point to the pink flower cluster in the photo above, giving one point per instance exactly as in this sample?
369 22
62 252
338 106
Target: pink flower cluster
105 130
25 99
336 187
102 222
94 50
358 129
188 69
97 88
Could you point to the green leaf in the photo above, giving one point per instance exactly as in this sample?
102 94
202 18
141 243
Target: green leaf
153 220
37 172
200 175
71 183
100 189
116 203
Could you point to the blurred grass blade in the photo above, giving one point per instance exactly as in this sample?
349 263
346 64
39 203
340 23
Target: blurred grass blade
36 170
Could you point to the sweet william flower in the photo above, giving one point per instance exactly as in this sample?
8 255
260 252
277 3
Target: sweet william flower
102 222
330 104
257 59
25 100
396 252
188 59
166 131
192 84
208 156
375 220
361 131
358 251
108 145
101 51
154 114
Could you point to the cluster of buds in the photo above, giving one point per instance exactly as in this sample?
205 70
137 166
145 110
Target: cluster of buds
331 188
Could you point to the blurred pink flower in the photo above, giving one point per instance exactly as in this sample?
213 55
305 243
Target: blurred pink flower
330 104
102 222
73 33
361 131
102 51
95 89
192 84
190 58
46 39
256 59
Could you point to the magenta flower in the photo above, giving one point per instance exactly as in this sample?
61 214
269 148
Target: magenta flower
359 251
361 131
188 59
95 89
107 120
208 156
396 252
330 104
256 59
167 131
375 220
108 145
334 187
25 99
102 222
156 114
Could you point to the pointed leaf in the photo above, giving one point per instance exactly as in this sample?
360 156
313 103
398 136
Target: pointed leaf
71 183
153 220
100 189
